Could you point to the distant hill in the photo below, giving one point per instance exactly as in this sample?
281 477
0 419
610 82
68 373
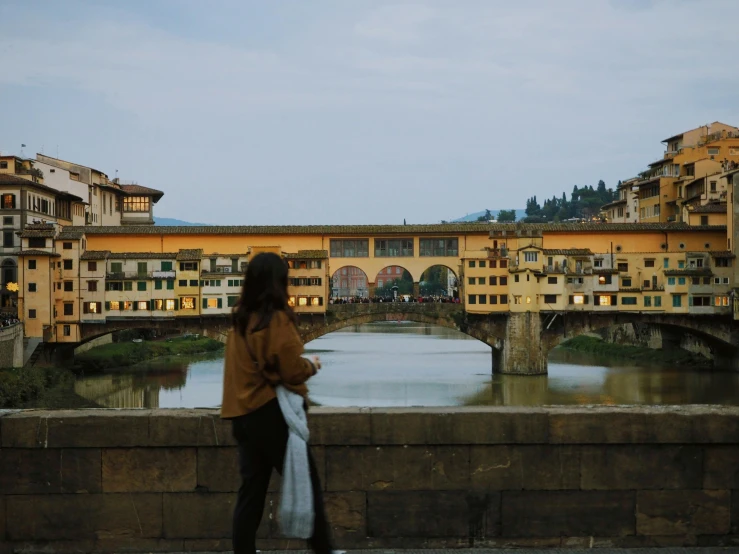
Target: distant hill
520 214
169 222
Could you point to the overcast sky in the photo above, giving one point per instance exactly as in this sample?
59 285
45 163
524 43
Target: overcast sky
352 111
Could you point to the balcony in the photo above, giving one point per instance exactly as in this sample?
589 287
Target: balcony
135 275
170 274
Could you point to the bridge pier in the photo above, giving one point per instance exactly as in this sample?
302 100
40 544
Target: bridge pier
523 351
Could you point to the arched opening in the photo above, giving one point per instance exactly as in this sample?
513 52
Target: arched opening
439 281
393 282
349 282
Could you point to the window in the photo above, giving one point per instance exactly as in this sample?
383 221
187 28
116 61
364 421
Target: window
302 300
551 280
699 300
628 300
605 280
141 285
170 284
188 266
92 286
231 301
623 267
439 247
68 308
714 151
67 330
114 285
166 266
504 281
657 301
471 280
212 302
626 282
8 201
516 299
193 282
135 203
681 264
530 256
142 268
127 305
677 301
187 303
92 266
481 280
666 263
116 267
3 165
8 220
721 301
472 263
603 300
493 264
8 239
157 284
31 314
114 305
704 220
393 247
349 248
493 280
695 281
31 287
183 282
725 281
493 299
577 299
647 301
92 307
670 280
37 242
482 299
31 264
681 280
68 264
597 263
723 262
142 305
68 286
515 278
550 299
291 301
67 246
170 305
127 285
472 299
504 299
648 263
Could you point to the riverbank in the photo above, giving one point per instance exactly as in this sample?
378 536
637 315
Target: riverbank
637 355
52 387
124 354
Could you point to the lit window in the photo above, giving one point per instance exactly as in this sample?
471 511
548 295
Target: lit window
578 299
605 300
136 204
212 303
291 301
127 305
315 301
302 301
528 300
188 303
143 305
115 305
170 305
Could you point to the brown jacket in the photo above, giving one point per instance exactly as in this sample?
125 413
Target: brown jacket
278 351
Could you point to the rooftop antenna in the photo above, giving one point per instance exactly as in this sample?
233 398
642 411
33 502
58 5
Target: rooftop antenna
22 154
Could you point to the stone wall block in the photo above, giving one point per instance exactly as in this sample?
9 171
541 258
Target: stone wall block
347 517
203 516
567 513
397 468
149 469
569 426
735 512
83 516
2 519
719 425
683 512
21 431
40 470
430 514
619 467
218 469
339 426
436 426
532 467
721 466
189 428
89 429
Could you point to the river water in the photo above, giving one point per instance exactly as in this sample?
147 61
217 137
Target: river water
410 364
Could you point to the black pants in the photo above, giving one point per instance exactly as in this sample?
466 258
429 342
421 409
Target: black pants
262 438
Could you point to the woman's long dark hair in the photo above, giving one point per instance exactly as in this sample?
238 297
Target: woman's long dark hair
264 293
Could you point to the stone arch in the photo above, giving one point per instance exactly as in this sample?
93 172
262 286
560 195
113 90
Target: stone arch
452 286
655 330
349 281
393 275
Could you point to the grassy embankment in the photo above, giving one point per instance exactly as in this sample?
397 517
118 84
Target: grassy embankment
21 386
639 355
121 354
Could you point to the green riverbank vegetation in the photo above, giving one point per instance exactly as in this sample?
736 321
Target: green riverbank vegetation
121 354
19 386
638 355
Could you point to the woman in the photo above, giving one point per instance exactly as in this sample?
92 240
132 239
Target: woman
264 350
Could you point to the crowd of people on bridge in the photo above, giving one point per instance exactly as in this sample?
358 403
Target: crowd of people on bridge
6 320
399 299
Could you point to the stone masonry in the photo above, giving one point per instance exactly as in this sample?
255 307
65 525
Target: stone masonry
165 480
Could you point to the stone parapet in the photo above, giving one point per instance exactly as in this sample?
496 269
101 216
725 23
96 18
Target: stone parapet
165 480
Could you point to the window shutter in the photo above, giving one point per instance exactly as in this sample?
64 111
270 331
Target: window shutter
148 307
135 305
107 306
220 302
84 307
572 299
205 303
690 301
614 299
587 299
176 304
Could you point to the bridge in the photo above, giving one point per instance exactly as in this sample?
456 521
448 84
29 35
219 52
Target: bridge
520 342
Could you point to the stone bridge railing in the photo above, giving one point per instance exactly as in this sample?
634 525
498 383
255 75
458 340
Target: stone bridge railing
578 477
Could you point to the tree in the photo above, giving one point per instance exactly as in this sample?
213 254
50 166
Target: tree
532 207
506 216
601 187
487 217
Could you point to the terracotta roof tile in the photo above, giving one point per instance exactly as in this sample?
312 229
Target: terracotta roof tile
7 179
37 253
69 235
29 234
308 255
190 255
689 271
709 209
569 252
721 254
142 256
142 191
95 255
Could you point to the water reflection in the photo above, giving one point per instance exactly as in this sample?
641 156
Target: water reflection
408 364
